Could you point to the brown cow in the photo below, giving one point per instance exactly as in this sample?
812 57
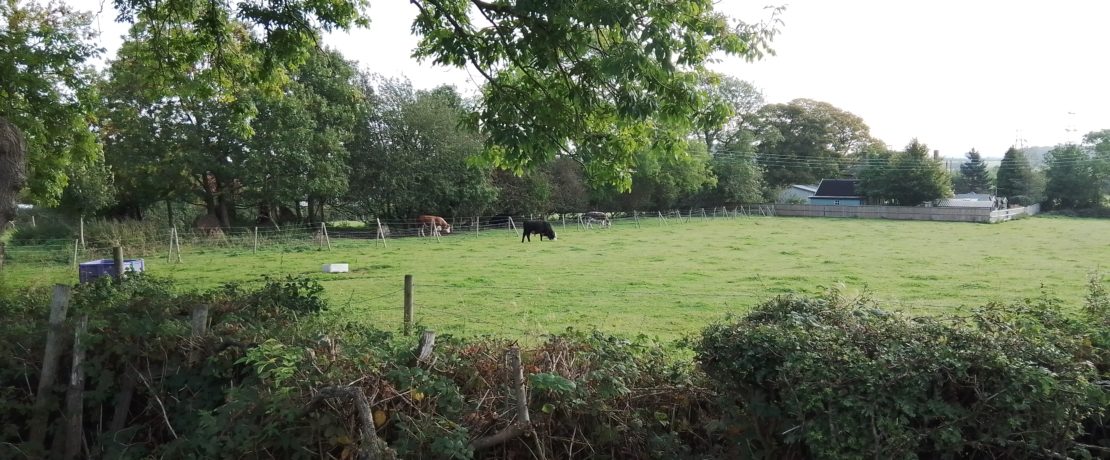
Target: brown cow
435 223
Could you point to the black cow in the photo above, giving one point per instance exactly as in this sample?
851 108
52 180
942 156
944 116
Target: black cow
539 227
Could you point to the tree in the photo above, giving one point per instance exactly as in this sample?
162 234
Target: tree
739 179
805 141
412 156
1099 144
664 181
726 123
600 81
47 93
13 170
1014 177
907 178
299 150
973 177
1071 180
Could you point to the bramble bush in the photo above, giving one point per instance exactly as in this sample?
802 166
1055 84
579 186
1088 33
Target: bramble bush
824 377
833 377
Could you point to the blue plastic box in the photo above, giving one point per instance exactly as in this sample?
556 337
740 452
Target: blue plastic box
93 269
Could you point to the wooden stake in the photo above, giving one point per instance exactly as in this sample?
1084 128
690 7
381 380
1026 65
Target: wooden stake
703 212
33 221
169 251
477 225
256 240
177 241
636 217
59 303
408 305
2 256
381 233
75 395
76 243
324 229
117 259
427 345
563 217
82 232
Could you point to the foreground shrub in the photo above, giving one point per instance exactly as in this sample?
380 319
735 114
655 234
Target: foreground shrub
838 378
248 387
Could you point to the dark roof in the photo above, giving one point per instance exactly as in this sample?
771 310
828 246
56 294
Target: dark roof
837 188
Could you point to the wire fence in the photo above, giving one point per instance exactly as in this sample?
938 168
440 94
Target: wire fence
175 243
451 306
531 312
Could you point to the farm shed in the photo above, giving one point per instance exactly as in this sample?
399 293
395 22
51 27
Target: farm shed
837 192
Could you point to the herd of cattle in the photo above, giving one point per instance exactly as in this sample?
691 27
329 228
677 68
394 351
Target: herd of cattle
436 225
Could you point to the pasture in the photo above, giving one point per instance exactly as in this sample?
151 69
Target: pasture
662 280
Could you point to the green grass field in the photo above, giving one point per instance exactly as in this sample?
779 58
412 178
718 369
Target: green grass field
660 280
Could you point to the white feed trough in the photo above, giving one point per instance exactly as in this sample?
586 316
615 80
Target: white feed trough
336 268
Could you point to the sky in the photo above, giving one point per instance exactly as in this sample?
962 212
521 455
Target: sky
983 74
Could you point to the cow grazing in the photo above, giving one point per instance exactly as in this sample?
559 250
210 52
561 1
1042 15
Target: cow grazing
595 217
436 225
539 227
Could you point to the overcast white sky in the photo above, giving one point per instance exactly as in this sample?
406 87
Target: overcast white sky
956 74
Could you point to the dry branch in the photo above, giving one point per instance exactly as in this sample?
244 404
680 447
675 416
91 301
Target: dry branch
523 422
373 447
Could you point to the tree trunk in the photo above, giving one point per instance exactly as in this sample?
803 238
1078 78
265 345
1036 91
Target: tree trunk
311 210
13 170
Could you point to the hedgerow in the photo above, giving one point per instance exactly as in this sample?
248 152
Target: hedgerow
275 376
832 377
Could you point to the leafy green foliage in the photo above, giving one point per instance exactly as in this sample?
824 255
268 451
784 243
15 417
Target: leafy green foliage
805 141
832 377
726 124
601 81
48 91
1015 176
973 177
1071 180
823 377
664 180
907 178
413 158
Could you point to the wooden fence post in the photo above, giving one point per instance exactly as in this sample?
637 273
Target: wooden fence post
256 240
59 303
82 234
76 244
117 258
75 395
198 322
477 224
408 304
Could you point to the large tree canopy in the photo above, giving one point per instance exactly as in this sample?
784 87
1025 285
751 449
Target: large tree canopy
907 178
46 90
600 80
805 141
